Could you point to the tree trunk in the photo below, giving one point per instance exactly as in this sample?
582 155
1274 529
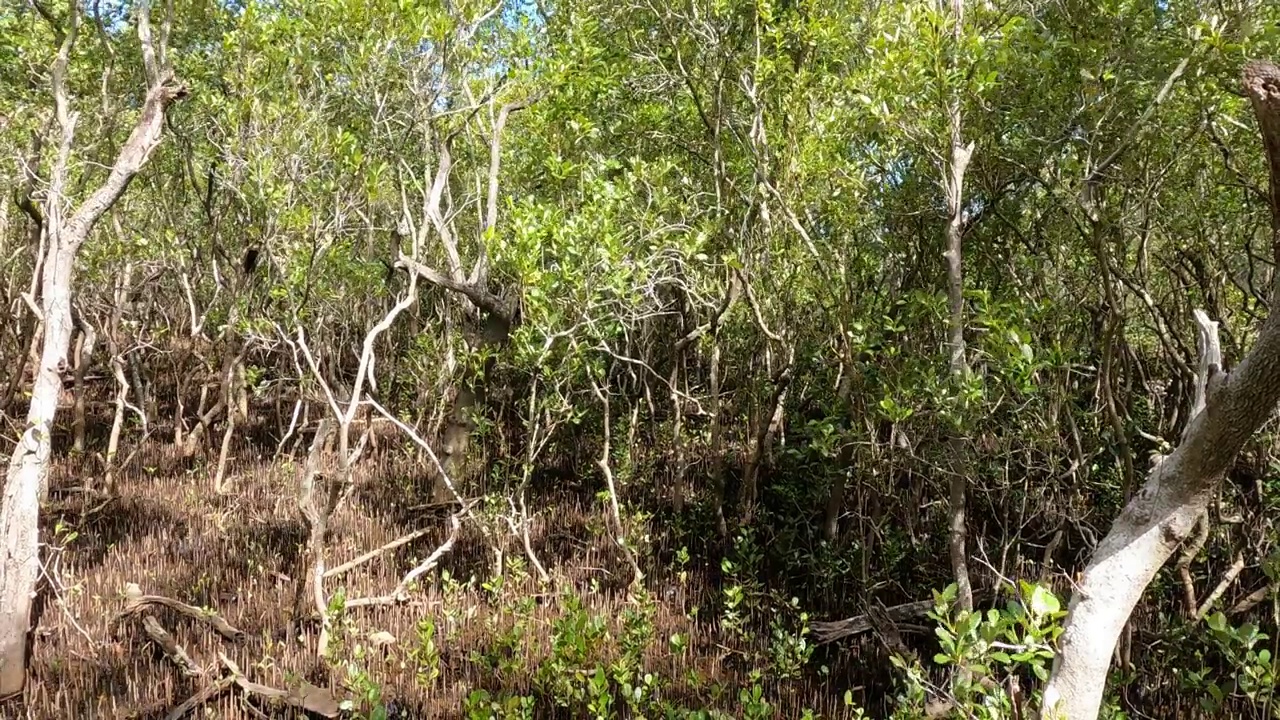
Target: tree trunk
117 370
1178 488
29 465
717 442
953 184
468 399
84 351
27 477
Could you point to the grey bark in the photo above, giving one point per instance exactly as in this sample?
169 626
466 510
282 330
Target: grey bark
953 184
29 464
1178 488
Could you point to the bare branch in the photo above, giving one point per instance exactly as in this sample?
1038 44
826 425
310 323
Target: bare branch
401 592
1227 579
150 64
1252 599
1189 552
481 269
1135 131
759 316
1262 83
482 299
366 557
713 325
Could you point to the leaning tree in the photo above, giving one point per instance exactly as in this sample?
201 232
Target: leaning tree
1231 406
66 226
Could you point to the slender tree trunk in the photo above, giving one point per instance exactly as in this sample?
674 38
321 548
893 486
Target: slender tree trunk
717 441
766 429
954 186
835 500
677 436
117 370
84 351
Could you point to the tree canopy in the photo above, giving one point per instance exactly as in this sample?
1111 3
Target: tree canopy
697 337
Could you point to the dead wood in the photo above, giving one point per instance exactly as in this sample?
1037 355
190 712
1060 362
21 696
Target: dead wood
1252 599
362 559
138 602
825 632
171 648
204 695
306 696
401 592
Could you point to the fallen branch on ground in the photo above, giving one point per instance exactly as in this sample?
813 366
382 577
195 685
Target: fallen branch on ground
306 696
401 592
171 648
138 602
205 694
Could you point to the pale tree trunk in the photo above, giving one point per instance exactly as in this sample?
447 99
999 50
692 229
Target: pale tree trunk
953 184
615 512
233 353
717 441
1178 488
28 467
114 345
28 330
84 351
316 510
494 315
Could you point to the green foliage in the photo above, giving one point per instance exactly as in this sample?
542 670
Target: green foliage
983 649
657 160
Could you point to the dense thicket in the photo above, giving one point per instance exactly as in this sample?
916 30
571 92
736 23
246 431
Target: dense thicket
690 269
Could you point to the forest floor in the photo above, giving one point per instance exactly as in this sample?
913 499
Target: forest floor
239 555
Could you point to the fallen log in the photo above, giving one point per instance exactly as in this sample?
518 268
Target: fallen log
171 648
304 697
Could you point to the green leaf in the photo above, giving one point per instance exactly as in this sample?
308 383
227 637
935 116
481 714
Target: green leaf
1043 602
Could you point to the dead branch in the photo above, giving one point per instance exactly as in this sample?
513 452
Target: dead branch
362 559
1227 579
1252 599
306 696
205 694
138 602
171 648
825 632
401 592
